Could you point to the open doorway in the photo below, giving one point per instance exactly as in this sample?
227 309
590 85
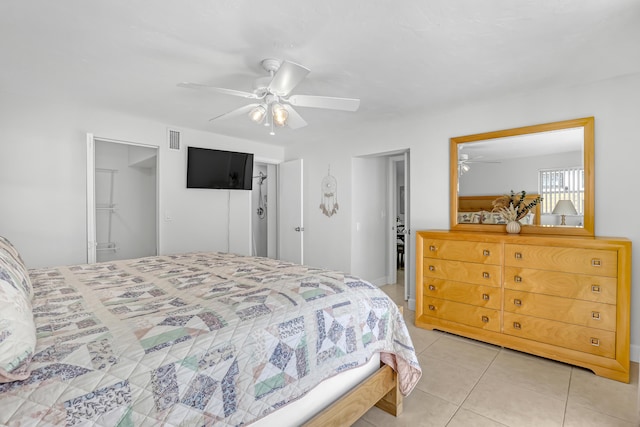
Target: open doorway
400 250
381 250
121 200
263 210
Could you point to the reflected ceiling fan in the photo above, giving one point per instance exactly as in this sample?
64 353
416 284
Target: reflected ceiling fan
273 102
464 162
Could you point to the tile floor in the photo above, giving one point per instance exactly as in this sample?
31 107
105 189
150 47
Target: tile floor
469 383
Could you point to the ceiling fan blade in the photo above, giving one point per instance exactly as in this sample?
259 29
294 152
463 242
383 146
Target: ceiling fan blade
233 92
288 76
331 103
294 120
235 113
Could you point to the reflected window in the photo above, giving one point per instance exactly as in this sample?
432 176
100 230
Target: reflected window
561 184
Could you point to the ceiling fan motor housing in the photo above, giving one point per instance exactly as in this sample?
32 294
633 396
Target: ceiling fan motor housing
270 65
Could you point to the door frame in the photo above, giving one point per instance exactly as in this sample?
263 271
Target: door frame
91 191
392 207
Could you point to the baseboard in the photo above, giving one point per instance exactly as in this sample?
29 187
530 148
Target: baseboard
634 354
412 304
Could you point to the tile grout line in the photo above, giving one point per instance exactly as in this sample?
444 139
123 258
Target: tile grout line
474 387
566 402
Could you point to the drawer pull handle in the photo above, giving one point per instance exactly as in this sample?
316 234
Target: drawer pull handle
432 288
485 319
517 325
485 297
486 252
518 255
596 262
432 248
517 302
595 289
595 315
486 275
432 307
432 268
517 279
595 342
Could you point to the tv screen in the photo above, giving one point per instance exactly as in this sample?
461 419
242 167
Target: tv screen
219 169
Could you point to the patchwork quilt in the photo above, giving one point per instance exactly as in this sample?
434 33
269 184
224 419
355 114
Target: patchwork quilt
195 339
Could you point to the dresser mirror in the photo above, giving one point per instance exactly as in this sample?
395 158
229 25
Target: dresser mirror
552 160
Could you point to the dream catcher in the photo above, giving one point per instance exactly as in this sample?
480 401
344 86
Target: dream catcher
329 194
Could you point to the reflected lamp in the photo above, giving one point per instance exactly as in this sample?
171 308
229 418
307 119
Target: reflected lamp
564 207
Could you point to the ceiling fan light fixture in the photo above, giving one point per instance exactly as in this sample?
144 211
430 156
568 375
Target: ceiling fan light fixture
280 114
258 113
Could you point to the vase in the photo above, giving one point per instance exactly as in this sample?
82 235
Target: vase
513 227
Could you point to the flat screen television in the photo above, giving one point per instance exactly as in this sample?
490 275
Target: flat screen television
207 168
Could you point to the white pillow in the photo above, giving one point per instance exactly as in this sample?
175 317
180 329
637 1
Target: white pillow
12 262
17 329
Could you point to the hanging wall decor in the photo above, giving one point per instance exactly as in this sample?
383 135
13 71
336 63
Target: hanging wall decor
329 194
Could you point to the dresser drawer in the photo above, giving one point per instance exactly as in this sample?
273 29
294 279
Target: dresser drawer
457 271
578 312
478 252
484 296
466 314
594 262
569 285
581 338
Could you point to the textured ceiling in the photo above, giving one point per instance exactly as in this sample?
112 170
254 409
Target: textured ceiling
395 56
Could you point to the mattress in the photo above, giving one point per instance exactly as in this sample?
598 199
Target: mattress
196 339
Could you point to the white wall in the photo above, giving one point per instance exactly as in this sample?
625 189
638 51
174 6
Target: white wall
617 148
43 180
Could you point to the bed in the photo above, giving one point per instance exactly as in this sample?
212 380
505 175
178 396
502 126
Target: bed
193 339
479 210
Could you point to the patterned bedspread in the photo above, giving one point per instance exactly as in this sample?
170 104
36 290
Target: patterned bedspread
195 339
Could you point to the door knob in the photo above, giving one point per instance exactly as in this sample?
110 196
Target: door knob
299 228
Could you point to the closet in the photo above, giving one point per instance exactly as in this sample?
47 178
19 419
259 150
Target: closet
125 192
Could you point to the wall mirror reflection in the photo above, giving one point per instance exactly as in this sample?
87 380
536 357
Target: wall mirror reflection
553 161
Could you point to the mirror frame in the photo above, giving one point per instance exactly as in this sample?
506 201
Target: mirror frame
589 198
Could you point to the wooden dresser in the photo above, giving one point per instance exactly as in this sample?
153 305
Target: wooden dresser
564 298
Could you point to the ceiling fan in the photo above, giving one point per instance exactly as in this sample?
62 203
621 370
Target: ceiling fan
273 102
464 162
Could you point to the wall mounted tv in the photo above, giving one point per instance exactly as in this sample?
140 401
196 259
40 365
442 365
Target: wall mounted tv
207 168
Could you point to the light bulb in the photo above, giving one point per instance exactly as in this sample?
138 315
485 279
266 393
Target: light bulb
280 114
257 114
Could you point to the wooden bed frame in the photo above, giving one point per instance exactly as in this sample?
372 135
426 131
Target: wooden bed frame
380 389
483 203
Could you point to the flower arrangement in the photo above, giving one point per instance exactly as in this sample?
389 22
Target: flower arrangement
513 207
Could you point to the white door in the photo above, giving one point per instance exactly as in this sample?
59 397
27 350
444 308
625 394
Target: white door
290 226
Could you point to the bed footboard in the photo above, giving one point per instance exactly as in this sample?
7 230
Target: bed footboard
380 389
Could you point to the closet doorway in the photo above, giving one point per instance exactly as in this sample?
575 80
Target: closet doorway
122 188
